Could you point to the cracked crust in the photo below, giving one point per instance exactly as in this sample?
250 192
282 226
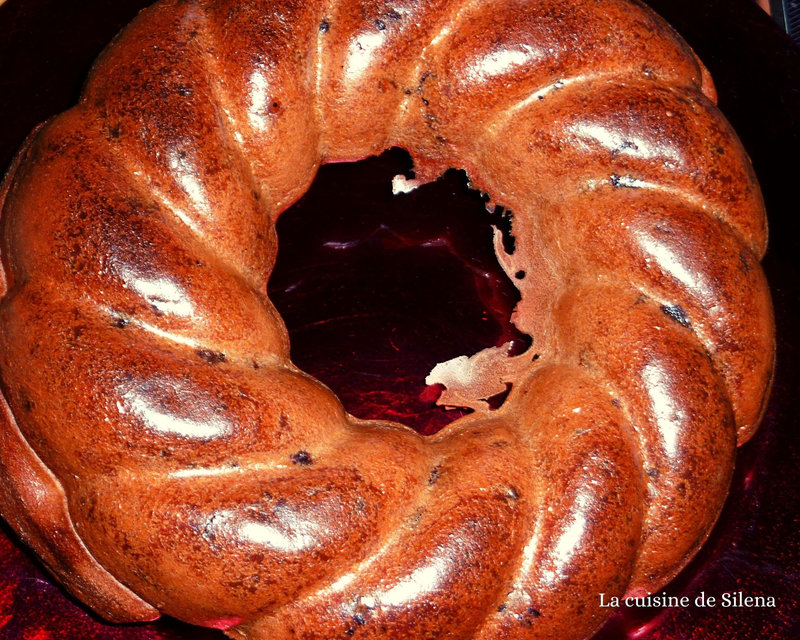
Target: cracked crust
159 442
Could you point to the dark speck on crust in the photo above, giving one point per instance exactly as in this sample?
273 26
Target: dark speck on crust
324 26
677 313
619 182
745 262
212 357
303 458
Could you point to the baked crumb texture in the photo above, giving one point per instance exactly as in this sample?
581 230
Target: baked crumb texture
160 452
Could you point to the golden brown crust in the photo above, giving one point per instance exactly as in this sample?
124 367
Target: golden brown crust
159 442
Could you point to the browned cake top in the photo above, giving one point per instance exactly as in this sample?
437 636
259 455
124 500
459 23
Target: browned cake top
162 454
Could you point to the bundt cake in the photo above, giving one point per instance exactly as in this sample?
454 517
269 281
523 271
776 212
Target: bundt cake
160 452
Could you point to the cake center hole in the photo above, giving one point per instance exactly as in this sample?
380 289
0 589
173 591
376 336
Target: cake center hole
377 288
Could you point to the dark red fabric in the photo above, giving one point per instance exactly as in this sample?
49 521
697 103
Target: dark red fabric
375 294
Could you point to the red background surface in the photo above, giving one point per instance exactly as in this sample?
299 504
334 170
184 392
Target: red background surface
376 290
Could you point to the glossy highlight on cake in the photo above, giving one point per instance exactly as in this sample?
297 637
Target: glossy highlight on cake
138 237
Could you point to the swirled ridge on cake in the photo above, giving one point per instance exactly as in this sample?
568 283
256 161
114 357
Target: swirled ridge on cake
160 452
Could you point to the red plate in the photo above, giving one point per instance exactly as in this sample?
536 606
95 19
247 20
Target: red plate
434 258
